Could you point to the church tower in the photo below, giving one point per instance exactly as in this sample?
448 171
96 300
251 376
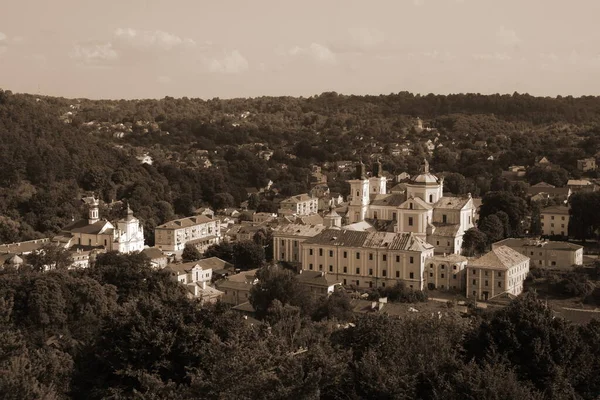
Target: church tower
378 182
425 186
359 193
333 219
130 233
94 213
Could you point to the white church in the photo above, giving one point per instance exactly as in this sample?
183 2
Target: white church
420 208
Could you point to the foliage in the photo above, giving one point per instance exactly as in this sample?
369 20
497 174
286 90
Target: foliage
474 242
190 253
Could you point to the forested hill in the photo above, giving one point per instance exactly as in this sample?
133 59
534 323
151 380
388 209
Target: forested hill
206 152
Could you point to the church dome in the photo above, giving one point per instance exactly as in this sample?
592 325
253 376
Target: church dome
425 177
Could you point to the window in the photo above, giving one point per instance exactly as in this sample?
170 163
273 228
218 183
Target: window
358 256
499 274
397 258
345 269
412 260
412 275
310 266
454 267
486 273
437 243
320 252
357 282
384 257
375 214
383 272
431 198
330 253
453 276
410 206
474 281
486 283
552 217
553 262
442 276
282 242
357 271
410 221
295 243
394 216
499 284
442 266
370 284
444 219
474 293
370 271
344 281
431 274
370 256
331 268
310 252
282 256
397 274
345 254
382 284
431 266
563 218
320 267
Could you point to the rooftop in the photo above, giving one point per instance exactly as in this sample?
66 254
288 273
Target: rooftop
547 244
298 198
185 222
555 210
298 230
392 199
501 257
452 203
317 278
382 240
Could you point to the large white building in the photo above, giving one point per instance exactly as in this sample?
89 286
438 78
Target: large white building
422 210
201 231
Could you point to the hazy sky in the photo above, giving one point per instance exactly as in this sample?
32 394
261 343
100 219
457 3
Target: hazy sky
240 48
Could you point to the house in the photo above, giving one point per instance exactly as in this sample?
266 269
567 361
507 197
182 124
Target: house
83 256
206 211
200 231
514 173
586 164
554 220
196 276
23 248
262 217
236 288
319 283
551 190
158 259
580 185
367 259
301 204
544 253
10 260
287 239
145 159
319 190
501 271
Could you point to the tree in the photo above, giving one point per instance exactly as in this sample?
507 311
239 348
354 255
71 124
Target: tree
223 250
253 201
515 207
49 257
248 255
492 227
223 200
474 242
190 253
335 306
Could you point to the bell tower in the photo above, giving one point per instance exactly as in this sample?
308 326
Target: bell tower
94 213
359 194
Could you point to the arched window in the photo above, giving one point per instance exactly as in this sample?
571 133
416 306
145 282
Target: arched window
431 198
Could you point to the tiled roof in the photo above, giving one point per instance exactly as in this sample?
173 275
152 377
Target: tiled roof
449 258
314 219
298 230
501 257
243 276
543 185
83 226
452 203
549 244
297 199
446 229
362 226
229 284
317 278
383 240
23 247
555 210
214 263
393 199
185 222
182 268
153 253
578 182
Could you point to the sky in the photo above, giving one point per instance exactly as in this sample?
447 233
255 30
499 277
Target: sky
249 48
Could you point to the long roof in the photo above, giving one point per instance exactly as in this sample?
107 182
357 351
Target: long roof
452 203
555 210
185 222
317 278
374 240
549 244
501 257
298 230
83 226
391 199
298 198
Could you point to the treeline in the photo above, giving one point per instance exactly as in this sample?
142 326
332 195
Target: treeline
121 330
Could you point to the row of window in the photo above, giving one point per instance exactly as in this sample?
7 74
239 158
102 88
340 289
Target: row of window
357 283
442 275
486 283
345 255
486 273
345 269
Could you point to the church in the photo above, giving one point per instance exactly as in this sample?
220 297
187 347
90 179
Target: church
126 237
419 207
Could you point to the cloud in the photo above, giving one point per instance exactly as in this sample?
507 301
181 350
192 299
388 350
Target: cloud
316 51
492 57
150 40
3 43
232 63
163 79
94 54
507 37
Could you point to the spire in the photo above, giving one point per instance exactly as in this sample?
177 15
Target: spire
129 213
425 166
361 171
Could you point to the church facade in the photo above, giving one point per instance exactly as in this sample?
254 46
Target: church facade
422 209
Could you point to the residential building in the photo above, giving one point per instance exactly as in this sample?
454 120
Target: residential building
586 164
236 288
196 276
581 185
158 259
23 248
554 220
561 193
262 217
319 283
200 231
301 204
368 259
544 253
446 272
288 238
501 271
